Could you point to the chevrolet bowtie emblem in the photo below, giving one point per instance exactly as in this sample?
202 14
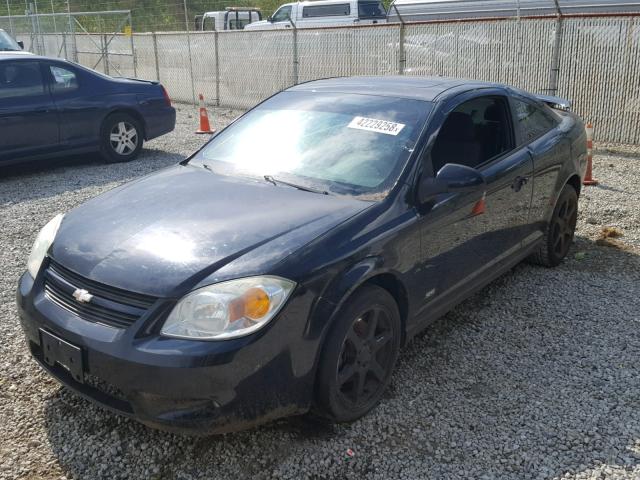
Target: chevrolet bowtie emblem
82 295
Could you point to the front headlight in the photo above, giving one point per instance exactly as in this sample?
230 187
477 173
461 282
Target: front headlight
43 242
228 309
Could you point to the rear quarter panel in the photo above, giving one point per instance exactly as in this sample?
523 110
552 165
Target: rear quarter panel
555 162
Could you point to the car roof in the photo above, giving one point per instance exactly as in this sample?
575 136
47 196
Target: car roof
400 86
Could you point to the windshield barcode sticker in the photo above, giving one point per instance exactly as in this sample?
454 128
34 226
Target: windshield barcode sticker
374 125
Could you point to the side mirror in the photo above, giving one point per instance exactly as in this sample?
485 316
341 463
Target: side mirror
270 19
21 44
452 178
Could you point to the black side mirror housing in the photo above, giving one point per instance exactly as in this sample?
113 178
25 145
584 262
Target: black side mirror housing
270 19
452 178
21 44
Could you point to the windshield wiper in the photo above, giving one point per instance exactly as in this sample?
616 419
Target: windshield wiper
276 181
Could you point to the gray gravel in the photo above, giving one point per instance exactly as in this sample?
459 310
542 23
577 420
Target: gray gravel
534 377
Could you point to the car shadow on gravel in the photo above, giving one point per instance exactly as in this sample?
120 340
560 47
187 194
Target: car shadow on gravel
49 178
533 377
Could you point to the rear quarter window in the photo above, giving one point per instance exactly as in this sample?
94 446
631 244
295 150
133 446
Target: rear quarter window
64 79
532 121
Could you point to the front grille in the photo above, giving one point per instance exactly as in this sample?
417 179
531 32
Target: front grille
109 306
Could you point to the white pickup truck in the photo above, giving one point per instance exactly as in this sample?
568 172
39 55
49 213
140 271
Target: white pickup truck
323 13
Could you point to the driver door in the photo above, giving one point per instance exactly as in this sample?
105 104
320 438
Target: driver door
28 118
464 234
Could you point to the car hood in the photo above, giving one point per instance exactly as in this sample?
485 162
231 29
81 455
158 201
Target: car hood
257 25
163 234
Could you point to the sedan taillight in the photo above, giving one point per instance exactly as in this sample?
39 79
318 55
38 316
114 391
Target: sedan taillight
166 96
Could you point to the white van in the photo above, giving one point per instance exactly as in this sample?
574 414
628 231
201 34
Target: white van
324 13
232 18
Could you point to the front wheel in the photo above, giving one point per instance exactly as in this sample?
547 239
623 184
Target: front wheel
359 356
121 138
560 230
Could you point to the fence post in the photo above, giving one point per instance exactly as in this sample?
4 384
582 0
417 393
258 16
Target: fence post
155 54
64 45
217 56
554 72
10 20
72 31
186 24
105 53
402 54
555 55
133 48
295 51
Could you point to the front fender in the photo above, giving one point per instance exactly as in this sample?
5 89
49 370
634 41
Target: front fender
340 290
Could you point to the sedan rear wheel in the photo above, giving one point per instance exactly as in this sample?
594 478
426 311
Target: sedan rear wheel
359 356
560 230
121 138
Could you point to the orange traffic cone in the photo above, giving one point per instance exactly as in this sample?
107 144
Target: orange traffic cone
205 127
480 206
588 177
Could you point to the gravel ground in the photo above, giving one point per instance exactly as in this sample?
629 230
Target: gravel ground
534 377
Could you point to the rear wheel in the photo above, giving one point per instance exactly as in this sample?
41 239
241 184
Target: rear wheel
359 356
121 138
560 230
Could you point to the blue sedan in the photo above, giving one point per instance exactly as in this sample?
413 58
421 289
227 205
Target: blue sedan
51 107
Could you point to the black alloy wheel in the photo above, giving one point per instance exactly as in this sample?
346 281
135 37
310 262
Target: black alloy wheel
359 355
560 231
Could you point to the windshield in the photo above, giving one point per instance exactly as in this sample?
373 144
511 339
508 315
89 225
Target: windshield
8 44
346 144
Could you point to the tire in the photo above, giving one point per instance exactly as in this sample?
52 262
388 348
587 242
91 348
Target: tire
560 230
122 137
354 371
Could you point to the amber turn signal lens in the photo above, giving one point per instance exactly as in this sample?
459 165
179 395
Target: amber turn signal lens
256 303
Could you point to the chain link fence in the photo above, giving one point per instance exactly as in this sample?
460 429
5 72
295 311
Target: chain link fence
594 61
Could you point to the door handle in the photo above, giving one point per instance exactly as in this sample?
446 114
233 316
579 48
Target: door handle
518 183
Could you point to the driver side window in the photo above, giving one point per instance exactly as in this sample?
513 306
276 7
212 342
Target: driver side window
282 15
475 132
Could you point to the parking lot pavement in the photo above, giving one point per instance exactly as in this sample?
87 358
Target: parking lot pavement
536 376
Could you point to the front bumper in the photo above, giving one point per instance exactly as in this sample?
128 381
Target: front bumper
181 385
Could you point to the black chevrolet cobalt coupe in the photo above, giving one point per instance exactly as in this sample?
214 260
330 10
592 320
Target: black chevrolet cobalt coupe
281 268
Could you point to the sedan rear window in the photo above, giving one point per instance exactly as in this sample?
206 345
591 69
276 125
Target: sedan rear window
343 143
64 80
